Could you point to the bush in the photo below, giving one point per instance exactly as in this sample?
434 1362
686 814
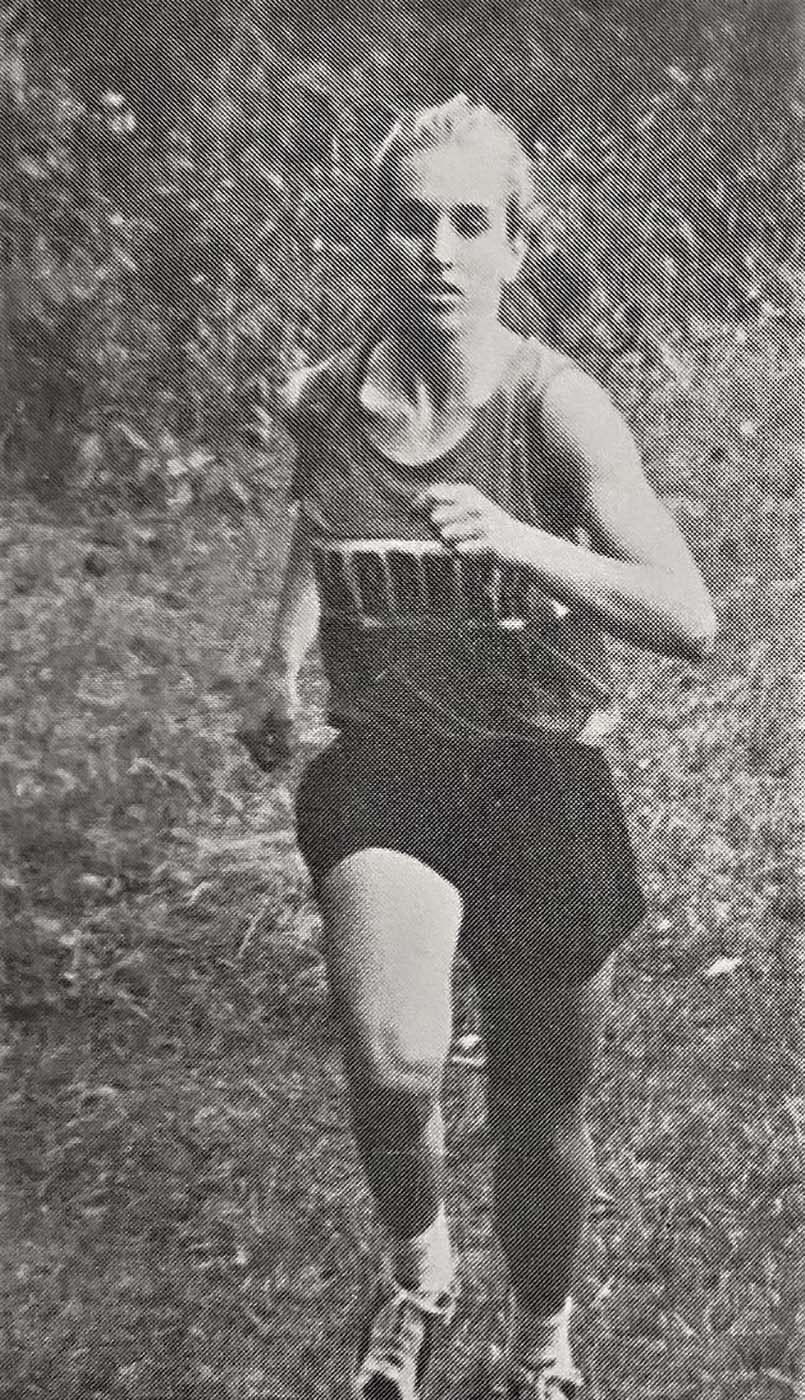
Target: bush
182 210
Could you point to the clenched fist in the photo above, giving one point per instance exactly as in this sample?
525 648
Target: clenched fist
471 523
268 707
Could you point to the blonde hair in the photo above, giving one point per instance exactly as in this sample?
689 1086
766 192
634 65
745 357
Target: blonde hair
458 121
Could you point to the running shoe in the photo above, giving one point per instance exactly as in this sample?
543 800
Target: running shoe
549 1372
469 1050
524 1383
396 1347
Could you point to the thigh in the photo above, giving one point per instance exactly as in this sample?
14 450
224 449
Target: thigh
372 792
391 927
543 1041
556 888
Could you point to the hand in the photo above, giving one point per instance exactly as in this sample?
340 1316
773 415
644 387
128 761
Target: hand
268 706
470 522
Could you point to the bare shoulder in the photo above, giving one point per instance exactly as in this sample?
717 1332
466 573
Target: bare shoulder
579 418
592 448
568 391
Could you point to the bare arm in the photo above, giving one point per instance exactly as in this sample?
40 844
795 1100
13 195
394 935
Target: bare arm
270 700
297 618
638 576
296 622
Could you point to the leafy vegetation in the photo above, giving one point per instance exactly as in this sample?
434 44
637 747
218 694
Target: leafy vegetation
185 1216
183 217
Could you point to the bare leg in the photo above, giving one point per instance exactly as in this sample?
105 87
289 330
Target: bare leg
542 1045
391 927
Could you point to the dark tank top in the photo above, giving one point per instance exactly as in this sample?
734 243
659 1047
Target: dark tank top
550 676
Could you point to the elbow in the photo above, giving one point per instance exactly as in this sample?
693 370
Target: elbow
699 642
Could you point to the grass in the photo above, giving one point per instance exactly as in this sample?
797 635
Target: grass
184 1216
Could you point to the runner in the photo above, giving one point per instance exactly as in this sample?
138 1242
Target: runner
466 796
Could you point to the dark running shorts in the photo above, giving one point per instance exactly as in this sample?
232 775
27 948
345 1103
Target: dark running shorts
532 836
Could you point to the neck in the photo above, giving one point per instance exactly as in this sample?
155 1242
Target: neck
442 368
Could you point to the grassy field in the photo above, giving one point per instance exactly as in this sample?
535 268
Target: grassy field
183 1213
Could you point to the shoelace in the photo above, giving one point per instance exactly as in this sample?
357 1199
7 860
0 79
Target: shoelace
441 1305
525 1383
547 1371
399 1327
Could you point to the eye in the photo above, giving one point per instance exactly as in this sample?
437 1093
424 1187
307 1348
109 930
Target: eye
410 219
470 220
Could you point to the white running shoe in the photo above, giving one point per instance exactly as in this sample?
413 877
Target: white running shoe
396 1347
547 1372
525 1383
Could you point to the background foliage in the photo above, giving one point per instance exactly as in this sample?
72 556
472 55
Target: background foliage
185 1218
181 203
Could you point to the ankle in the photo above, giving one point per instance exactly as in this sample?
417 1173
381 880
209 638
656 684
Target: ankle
426 1264
536 1337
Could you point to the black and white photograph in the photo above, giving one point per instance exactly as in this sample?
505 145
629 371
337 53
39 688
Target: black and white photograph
401 466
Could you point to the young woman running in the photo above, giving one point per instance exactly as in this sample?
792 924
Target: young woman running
465 796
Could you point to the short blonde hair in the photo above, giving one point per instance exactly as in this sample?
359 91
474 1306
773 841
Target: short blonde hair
458 121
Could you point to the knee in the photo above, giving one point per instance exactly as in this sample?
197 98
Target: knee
394 1089
385 1062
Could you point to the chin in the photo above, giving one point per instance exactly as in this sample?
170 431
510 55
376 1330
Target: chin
444 323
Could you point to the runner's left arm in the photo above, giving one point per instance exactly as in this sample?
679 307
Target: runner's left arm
637 577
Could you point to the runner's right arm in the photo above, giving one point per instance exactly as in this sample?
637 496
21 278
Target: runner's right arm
297 618
271 699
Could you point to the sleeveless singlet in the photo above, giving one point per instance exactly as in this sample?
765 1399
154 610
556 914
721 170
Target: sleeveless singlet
553 676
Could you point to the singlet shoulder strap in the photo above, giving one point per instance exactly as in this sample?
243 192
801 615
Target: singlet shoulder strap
319 406
326 388
305 401
343 383
333 394
535 368
538 367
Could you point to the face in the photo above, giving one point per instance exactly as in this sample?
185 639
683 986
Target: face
447 253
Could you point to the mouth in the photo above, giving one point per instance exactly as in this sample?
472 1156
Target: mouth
442 293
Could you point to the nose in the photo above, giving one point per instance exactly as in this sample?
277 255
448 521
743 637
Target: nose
443 246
